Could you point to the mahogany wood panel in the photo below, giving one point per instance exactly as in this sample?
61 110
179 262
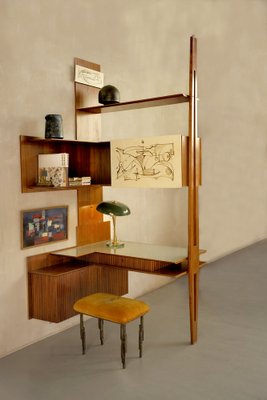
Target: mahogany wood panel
112 280
53 294
45 260
85 159
98 156
55 283
54 290
171 270
29 150
132 263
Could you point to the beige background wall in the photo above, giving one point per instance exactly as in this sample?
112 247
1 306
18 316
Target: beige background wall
142 46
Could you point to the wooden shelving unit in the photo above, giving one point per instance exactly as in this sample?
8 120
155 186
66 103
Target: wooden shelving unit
85 159
48 273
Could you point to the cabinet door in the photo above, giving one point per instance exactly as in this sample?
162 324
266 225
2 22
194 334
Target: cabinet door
113 280
43 297
73 286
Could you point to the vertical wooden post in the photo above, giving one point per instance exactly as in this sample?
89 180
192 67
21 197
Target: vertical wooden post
193 213
91 227
88 127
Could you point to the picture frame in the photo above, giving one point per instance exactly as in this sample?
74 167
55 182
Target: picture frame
88 76
42 226
147 162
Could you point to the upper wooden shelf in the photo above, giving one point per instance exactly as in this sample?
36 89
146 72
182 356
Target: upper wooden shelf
136 104
85 159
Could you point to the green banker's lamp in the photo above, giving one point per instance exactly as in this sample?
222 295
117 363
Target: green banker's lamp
113 209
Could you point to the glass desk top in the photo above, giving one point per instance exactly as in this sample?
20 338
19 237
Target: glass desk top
170 254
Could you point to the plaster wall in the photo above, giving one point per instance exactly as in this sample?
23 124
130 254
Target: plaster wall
143 47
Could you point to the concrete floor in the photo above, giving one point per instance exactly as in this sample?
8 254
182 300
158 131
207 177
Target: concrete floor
229 361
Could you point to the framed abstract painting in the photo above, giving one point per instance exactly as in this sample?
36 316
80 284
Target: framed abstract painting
42 226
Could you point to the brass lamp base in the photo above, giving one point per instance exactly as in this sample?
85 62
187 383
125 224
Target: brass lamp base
115 245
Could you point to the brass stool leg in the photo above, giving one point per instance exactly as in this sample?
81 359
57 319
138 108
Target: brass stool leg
123 344
82 333
141 336
101 328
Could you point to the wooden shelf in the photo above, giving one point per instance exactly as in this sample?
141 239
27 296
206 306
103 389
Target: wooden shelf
176 270
39 188
171 270
137 104
85 159
61 269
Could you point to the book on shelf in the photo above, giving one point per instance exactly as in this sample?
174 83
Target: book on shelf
53 169
80 181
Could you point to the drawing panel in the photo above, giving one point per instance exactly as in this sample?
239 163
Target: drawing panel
153 162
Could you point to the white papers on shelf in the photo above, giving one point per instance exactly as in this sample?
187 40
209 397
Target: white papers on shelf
53 169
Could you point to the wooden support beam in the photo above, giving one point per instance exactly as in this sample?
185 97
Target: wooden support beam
193 212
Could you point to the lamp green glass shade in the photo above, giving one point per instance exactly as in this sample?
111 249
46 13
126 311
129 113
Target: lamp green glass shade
114 209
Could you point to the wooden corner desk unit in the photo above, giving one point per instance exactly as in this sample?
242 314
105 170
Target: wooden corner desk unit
57 279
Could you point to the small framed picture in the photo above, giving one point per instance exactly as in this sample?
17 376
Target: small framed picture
88 76
43 226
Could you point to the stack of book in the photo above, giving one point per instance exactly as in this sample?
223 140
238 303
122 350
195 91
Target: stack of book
82 181
53 169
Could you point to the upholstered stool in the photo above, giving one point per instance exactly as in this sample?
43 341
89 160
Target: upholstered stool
110 307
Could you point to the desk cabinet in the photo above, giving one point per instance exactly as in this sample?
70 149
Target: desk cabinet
54 289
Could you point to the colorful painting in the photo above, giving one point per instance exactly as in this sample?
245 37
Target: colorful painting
44 225
147 162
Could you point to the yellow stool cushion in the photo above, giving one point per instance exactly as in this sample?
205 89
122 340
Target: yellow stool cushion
111 307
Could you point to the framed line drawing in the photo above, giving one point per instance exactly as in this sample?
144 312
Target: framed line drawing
88 76
153 162
43 226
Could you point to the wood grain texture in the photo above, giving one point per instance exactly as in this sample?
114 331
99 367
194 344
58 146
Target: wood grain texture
137 104
132 263
112 280
91 227
85 159
89 195
185 161
89 213
54 285
93 232
45 260
193 207
53 295
88 127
